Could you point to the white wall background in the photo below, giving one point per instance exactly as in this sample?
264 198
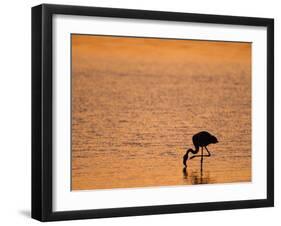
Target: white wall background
15 113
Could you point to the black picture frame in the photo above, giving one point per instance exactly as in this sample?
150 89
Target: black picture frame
42 111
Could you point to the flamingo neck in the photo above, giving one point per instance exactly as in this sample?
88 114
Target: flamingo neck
185 157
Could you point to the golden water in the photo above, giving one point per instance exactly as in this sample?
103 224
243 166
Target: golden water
137 102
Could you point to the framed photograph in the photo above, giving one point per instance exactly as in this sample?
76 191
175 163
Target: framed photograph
145 112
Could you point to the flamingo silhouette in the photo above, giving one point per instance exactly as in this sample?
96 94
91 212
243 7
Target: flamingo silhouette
201 139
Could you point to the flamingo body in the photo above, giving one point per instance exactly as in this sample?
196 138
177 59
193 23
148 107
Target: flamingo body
203 139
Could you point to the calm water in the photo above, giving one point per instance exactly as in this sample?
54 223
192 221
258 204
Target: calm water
136 104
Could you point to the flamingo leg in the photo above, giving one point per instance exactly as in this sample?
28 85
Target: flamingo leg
194 156
208 155
202 157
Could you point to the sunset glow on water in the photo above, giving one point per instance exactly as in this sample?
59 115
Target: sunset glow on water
137 102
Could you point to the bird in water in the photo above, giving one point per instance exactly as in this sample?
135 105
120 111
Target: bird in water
201 139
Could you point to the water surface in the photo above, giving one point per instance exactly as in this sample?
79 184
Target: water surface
137 102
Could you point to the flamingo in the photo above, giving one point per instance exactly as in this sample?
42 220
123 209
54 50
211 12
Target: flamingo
201 139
